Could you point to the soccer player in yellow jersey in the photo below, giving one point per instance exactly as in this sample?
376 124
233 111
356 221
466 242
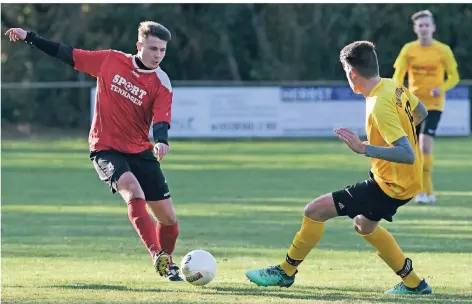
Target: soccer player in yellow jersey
427 61
396 176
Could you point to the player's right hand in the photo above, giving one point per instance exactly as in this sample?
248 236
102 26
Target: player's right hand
352 140
16 34
161 149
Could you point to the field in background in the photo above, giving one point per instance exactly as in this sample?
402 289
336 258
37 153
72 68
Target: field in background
66 239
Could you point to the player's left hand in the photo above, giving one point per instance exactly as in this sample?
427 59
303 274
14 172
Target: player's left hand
436 92
351 139
16 34
161 149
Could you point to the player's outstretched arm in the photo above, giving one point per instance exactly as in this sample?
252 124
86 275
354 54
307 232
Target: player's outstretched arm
89 62
400 152
57 50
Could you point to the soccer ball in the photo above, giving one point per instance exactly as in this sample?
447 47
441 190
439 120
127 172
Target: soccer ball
198 267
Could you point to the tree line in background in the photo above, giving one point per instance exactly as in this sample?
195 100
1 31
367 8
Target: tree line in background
234 42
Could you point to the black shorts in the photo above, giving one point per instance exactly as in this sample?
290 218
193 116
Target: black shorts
430 124
110 165
368 199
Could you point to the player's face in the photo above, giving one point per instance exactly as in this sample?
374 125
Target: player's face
424 27
152 51
352 79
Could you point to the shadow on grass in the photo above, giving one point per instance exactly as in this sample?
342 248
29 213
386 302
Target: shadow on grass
298 293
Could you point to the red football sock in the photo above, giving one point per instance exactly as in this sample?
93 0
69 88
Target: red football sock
167 236
143 224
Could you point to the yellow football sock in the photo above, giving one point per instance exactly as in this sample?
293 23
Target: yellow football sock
391 253
305 239
428 173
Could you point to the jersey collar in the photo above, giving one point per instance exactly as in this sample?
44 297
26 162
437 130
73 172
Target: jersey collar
141 70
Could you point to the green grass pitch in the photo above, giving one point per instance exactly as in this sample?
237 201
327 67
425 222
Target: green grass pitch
66 239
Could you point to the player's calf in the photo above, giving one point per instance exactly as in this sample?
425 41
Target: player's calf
167 230
143 224
130 189
388 249
316 213
167 236
167 227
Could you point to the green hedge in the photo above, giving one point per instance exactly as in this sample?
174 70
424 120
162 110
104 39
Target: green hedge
249 42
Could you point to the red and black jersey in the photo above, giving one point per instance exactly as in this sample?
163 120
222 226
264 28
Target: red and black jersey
128 100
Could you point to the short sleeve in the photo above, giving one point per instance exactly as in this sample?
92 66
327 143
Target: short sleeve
413 100
388 121
162 111
89 62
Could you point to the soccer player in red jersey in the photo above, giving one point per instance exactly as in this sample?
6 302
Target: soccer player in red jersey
133 92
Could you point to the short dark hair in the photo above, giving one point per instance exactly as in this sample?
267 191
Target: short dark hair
362 57
151 28
421 14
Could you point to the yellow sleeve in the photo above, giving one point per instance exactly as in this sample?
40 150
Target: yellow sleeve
401 65
388 121
413 100
451 70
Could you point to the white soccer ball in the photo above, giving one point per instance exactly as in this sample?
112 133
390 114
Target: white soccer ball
198 267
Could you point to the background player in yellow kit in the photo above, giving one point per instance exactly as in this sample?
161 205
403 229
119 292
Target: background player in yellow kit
427 60
395 178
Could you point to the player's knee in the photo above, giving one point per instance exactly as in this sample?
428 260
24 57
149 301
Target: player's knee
319 209
364 226
363 230
163 211
129 187
171 217
168 219
427 149
357 225
426 143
